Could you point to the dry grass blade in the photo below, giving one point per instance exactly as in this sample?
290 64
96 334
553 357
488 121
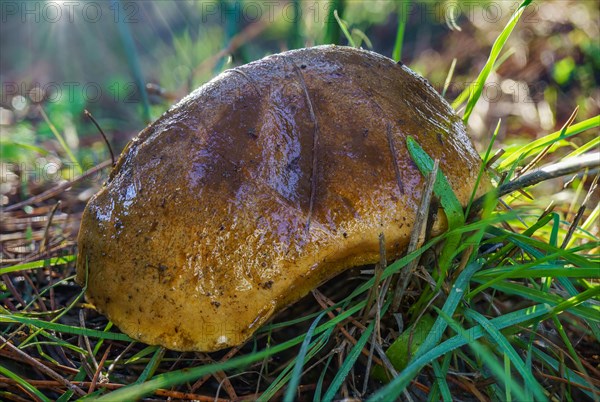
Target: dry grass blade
571 383
41 367
382 360
98 372
175 395
543 153
91 117
579 216
494 158
227 356
577 164
7 354
220 376
13 291
47 228
326 303
374 291
225 383
119 358
247 34
60 188
469 387
60 138
374 294
416 238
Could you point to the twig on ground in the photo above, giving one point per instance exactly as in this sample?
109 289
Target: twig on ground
572 165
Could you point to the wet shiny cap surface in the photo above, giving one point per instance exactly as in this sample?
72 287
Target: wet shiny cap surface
257 187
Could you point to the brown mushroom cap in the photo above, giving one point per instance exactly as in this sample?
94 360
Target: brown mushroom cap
257 187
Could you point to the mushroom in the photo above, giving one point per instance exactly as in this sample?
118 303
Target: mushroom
259 186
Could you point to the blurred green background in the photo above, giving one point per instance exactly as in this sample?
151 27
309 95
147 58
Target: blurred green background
127 62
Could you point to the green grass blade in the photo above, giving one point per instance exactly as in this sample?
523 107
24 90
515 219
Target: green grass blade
594 143
541 222
140 355
47 289
400 263
405 346
332 29
585 311
62 344
393 390
539 261
511 386
441 188
80 376
450 204
133 61
286 374
441 383
437 389
456 295
344 28
449 77
348 363
481 172
30 388
38 264
553 240
515 154
510 352
566 372
283 324
152 365
402 17
297 373
67 329
5 144
464 95
569 345
362 37
507 371
319 387
589 222
61 141
135 391
295 38
495 52
577 300
166 380
553 271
